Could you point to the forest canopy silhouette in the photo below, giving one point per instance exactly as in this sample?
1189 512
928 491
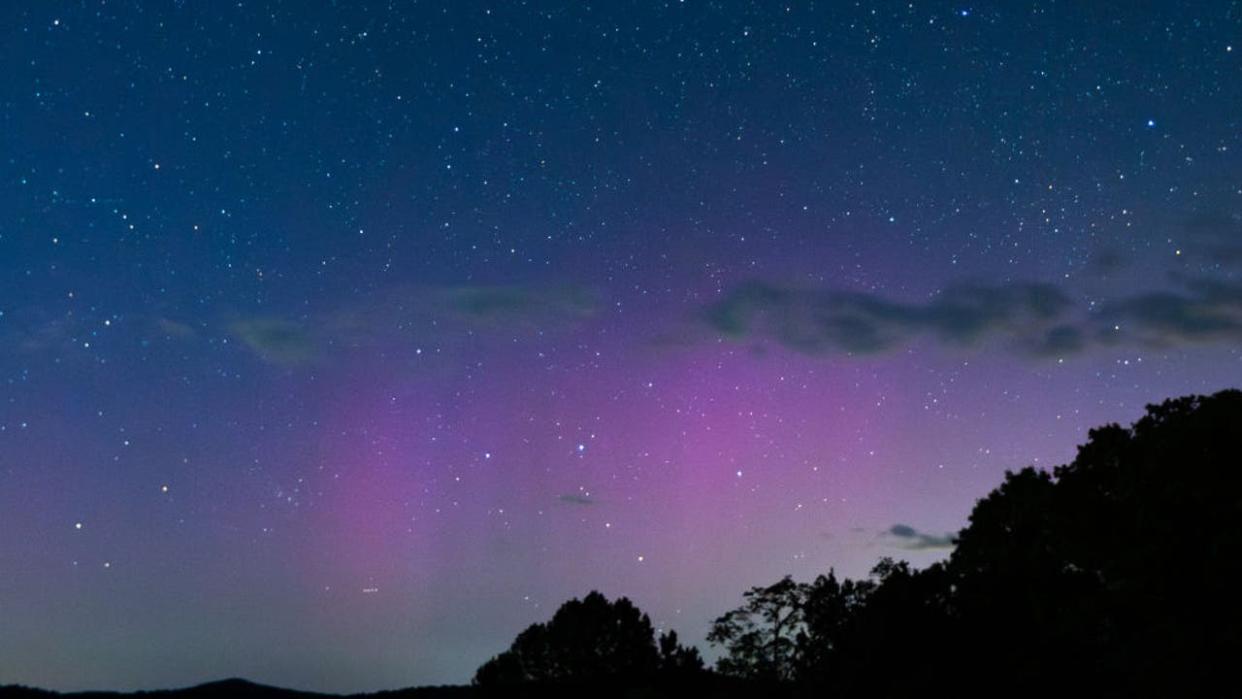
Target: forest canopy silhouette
1114 575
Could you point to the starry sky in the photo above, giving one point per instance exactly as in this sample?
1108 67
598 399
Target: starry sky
339 341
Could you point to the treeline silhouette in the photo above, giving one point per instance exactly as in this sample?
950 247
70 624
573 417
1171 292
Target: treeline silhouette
1116 575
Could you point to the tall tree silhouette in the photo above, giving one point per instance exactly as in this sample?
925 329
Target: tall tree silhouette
1126 560
830 607
587 640
761 636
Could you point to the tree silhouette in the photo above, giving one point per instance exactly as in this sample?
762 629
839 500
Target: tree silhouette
1125 559
829 610
678 661
1114 575
590 639
761 635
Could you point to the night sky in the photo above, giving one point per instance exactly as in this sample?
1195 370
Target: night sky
341 341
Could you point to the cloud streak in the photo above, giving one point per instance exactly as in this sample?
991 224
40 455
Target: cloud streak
912 539
1215 236
1030 319
415 315
578 499
1205 311
276 340
817 321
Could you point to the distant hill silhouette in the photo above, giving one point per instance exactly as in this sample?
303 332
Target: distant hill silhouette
236 689
1115 575
710 686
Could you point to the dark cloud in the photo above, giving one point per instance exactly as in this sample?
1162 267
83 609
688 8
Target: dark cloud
1215 236
577 499
1035 319
1062 340
35 331
412 315
276 340
815 321
1106 261
1032 319
914 540
1204 311
442 313
32 330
